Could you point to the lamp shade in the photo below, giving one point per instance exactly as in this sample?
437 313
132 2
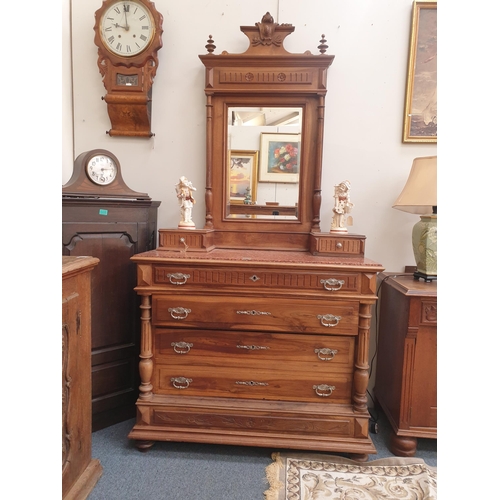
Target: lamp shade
419 195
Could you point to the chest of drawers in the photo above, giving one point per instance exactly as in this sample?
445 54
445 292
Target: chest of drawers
255 348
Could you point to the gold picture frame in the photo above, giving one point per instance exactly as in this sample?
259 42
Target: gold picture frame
420 114
243 167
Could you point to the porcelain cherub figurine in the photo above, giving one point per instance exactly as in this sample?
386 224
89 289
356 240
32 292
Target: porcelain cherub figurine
342 207
184 190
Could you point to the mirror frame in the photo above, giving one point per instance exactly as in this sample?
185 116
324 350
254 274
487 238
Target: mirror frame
266 75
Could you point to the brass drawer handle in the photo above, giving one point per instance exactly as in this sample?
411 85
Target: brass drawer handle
252 347
324 390
179 312
251 383
181 347
181 382
325 354
329 319
332 284
254 313
178 278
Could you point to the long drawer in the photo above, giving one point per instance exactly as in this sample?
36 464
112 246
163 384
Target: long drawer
258 314
236 349
260 279
249 383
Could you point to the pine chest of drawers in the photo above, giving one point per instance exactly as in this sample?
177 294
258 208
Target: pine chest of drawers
259 348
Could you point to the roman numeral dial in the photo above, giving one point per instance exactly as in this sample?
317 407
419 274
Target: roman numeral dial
127 28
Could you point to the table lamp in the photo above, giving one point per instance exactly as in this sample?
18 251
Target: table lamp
419 196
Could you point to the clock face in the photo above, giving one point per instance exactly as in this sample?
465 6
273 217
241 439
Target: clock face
127 28
101 169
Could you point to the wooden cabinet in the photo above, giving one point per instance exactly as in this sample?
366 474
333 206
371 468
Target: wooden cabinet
79 471
113 230
255 348
406 377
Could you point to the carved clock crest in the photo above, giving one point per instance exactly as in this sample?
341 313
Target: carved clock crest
128 37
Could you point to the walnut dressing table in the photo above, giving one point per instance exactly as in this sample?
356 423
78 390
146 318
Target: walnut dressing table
255 329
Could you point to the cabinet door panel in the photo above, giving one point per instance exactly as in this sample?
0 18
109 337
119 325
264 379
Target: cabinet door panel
115 330
424 387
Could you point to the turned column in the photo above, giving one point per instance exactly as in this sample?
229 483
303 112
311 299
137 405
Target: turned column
361 366
146 355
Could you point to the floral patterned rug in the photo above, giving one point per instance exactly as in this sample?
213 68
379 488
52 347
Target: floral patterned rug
328 477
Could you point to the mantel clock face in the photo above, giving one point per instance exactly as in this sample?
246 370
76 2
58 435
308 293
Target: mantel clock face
101 169
127 28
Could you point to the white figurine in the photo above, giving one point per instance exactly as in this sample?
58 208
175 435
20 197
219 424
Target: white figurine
184 190
342 207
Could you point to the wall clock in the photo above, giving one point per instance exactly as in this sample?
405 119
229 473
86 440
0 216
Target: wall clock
97 174
128 37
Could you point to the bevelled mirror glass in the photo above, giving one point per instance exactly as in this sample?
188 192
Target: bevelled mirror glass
264 162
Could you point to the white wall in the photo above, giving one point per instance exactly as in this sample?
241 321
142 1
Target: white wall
363 117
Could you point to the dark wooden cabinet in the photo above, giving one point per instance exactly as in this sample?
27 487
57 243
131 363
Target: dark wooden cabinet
406 378
113 230
79 471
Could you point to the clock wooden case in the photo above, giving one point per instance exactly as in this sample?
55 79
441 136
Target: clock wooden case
128 37
83 182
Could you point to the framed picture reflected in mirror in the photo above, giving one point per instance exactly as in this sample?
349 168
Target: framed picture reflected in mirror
243 167
280 158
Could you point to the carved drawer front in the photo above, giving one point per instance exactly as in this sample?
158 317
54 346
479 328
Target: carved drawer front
311 352
260 314
271 383
286 280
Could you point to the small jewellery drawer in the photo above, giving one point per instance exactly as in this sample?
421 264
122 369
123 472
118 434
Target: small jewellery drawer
213 348
270 384
259 314
260 279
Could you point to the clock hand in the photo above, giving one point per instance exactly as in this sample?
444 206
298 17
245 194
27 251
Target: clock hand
116 25
126 22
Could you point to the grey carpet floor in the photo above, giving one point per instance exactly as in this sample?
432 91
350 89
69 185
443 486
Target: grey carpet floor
190 471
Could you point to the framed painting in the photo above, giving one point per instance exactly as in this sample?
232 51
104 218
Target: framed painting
243 177
420 119
280 158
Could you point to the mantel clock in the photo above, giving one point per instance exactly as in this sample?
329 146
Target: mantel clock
128 37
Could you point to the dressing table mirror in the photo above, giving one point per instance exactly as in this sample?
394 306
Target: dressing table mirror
255 328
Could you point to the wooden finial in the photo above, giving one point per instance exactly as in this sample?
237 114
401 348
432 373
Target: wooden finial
210 46
322 47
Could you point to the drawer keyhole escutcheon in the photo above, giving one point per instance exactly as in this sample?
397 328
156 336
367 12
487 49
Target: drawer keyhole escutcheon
325 354
324 390
178 278
332 284
181 382
254 278
251 383
181 347
252 347
254 313
179 312
329 319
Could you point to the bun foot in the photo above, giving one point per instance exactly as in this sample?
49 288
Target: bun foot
359 457
403 446
144 445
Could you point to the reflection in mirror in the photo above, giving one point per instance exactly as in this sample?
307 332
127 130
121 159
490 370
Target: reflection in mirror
264 162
